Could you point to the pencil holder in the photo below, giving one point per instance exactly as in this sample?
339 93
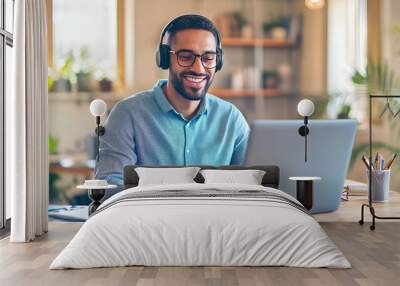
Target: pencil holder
380 184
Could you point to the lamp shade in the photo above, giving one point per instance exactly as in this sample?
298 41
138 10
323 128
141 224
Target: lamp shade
305 107
98 107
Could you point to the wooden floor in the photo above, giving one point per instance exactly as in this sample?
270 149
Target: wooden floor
374 255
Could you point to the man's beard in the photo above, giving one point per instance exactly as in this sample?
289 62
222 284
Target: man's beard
192 93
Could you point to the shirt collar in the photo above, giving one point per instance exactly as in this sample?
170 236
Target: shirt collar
164 104
160 96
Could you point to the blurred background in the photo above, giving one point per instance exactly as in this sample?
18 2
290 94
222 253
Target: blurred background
277 52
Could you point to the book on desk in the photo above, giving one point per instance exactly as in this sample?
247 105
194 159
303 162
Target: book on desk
354 188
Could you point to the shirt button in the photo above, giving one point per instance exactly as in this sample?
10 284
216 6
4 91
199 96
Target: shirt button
187 150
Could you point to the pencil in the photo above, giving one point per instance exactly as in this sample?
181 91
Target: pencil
366 161
390 163
376 161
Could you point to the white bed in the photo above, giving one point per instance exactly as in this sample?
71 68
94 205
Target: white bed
185 230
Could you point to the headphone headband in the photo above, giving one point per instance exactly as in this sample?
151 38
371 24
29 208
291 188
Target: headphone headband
162 53
172 22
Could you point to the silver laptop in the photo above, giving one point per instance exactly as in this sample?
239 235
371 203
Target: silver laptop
330 142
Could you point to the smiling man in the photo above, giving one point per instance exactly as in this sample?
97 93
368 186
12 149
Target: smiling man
176 122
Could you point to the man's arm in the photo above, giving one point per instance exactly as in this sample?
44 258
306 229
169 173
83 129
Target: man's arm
117 146
242 131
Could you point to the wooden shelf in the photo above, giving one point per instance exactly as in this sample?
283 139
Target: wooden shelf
85 96
253 42
229 92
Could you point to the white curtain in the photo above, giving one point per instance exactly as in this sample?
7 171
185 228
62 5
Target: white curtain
26 124
347 46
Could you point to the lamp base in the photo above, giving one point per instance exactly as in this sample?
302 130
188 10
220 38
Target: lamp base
304 190
304 193
95 195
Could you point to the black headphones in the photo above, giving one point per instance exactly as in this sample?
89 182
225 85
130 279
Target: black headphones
162 52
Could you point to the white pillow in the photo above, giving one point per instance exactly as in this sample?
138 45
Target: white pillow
249 177
163 176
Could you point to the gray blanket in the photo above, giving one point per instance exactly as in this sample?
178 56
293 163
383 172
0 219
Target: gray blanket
205 194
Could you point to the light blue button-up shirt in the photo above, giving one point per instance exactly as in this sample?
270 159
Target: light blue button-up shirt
145 129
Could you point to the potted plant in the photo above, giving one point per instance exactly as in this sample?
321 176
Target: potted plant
84 76
344 112
245 29
105 84
342 103
60 80
277 28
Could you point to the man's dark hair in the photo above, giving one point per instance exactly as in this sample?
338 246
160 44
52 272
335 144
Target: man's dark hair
191 22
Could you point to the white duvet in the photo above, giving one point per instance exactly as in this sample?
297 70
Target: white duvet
185 231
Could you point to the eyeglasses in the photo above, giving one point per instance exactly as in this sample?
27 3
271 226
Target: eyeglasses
186 58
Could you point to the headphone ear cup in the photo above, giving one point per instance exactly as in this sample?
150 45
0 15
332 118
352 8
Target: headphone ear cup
158 60
162 56
220 60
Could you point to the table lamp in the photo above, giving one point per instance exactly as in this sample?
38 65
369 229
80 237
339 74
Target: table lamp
98 108
97 188
305 108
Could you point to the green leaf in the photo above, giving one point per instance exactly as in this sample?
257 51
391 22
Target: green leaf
358 78
66 69
53 145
